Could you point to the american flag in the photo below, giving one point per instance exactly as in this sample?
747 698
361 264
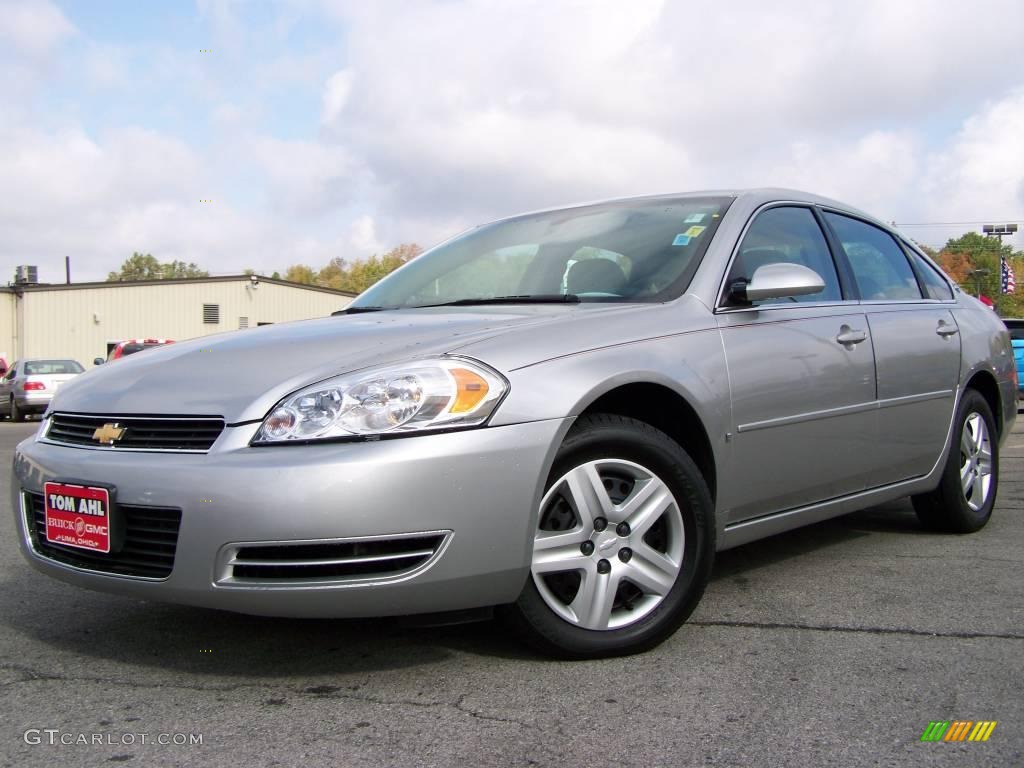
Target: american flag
1008 283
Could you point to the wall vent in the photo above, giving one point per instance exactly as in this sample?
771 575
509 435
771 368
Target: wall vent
211 313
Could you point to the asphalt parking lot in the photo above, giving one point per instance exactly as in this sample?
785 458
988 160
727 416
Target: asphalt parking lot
834 645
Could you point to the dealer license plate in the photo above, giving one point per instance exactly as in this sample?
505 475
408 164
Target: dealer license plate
77 516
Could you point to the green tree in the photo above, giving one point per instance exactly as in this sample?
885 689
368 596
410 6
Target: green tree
361 274
973 261
355 276
300 273
144 266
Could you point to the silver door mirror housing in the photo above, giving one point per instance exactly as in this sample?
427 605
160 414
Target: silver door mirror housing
777 281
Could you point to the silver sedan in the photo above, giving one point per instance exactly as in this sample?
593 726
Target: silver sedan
29 385
561 416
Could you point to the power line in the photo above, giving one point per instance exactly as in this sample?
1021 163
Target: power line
1007 220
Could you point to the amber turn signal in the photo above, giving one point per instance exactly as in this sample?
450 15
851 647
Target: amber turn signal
471 388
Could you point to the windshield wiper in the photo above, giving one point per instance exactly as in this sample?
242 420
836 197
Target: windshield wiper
539 298
356 310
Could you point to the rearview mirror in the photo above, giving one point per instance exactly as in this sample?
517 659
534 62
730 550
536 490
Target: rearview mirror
98 361
777 281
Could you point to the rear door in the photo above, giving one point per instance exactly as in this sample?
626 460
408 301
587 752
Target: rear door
801 374
916 344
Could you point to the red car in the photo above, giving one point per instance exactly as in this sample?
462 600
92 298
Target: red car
130 347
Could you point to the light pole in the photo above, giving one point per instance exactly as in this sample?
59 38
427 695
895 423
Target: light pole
999 230
977 274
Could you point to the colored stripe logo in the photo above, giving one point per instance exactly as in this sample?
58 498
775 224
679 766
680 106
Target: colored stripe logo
958 730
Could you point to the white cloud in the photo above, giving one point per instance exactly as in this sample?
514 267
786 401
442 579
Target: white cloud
484 109
979 176
33 27
425 117
336 94
304 177
363 235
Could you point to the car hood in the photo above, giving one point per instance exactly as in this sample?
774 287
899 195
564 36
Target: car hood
241 375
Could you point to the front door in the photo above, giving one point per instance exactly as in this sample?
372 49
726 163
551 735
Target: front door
802 379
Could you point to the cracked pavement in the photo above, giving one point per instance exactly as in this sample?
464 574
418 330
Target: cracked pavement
832 645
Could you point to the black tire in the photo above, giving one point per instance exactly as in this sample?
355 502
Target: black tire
613 438
947 508
16 414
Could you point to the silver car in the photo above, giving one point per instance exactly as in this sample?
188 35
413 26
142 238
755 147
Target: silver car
29 385
562 415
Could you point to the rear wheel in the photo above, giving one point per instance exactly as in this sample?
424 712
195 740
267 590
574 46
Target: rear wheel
16 414
963 500
624 543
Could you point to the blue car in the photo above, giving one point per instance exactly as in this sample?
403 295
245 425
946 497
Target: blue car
1016 328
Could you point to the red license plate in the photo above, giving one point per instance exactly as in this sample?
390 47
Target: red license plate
77 516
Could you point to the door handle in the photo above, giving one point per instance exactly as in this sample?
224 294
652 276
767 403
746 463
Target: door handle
945 329
849 336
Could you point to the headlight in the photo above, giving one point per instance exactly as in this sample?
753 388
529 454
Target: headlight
400 399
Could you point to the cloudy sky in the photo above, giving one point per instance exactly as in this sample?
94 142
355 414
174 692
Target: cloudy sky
322 128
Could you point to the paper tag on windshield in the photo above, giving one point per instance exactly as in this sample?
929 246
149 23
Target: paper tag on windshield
681 240
695 231
694 218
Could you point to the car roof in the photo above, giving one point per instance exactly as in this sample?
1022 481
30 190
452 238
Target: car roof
756 195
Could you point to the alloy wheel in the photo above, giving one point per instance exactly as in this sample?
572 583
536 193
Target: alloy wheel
975 461
609 544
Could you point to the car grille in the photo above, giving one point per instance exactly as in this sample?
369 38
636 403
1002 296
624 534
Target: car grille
356 559
151 538
142 433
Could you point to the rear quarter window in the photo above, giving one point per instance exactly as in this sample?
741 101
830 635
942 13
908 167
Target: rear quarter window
934 285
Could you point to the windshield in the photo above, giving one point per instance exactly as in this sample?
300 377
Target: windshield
638 250
131 349
52 367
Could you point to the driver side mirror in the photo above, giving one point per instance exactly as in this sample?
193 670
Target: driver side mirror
776 281
98 361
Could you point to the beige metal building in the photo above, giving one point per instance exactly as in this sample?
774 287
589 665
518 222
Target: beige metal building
83 321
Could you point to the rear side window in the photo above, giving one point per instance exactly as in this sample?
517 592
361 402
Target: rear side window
879 264
934 286
52 367
787 235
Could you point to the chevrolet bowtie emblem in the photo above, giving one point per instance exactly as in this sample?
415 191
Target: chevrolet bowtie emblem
108 434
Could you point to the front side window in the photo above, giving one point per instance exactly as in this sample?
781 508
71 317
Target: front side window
627 251
879 264
788 235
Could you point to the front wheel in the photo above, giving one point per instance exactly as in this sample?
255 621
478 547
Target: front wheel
624 543
963 500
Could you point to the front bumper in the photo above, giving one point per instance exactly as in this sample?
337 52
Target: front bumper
483 486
